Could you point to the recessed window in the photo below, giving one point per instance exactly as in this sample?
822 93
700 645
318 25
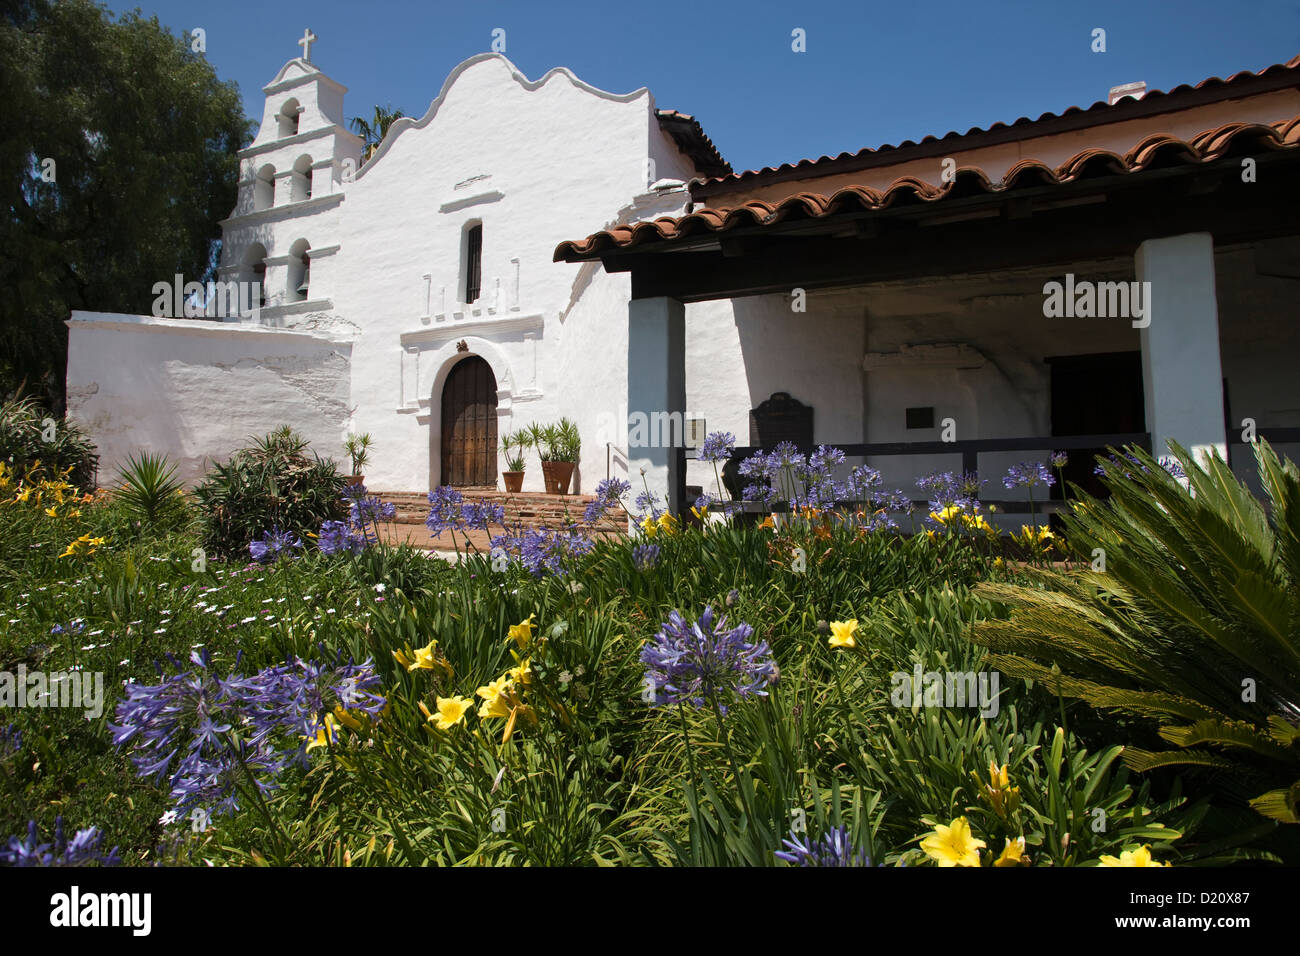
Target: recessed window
920 417
473 262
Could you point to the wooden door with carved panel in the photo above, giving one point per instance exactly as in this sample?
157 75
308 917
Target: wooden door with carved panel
469 425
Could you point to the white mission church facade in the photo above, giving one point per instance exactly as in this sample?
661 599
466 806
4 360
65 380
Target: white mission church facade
444 288
386 285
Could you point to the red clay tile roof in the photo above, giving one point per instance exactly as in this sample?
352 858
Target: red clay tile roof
688 134
1154 151
1152 98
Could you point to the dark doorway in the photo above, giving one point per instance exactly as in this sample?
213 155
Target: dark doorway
1092 395
469 425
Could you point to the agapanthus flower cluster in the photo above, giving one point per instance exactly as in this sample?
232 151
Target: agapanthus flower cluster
85 848
444 510
274 544
1028 474
812 482
645 556
204 736
717 446
338 537
449 511
647 505
833 848
1169 464
949 489
706 663
543 549
608 493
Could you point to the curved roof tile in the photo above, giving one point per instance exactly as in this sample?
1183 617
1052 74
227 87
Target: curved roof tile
1149 97
1154 151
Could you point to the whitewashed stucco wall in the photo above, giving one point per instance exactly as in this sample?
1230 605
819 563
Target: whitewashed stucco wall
536 163
197 390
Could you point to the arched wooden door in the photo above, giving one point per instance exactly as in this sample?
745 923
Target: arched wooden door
469 424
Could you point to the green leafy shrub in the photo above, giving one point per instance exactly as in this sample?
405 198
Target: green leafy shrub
29 434
272 483
1194 621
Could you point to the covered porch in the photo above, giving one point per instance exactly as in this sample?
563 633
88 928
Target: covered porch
939 338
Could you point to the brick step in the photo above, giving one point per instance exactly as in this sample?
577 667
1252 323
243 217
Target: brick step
529 508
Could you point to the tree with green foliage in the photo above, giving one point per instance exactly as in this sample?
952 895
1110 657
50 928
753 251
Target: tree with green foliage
117 160
373 133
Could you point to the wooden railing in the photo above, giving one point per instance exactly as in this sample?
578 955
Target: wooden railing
970 450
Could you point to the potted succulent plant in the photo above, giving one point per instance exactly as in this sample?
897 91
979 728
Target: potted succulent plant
559 447
358 449
513 446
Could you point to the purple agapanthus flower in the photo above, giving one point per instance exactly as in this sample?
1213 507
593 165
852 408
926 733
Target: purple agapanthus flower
85 848
480 514
1028 474
542 550
208 739
706 663
717 446
948 489
608 493
1059 459
444 510
337 537
833 848
274 544
645 556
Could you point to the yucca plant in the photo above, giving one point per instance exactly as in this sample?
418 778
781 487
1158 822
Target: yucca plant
1186 610
150 492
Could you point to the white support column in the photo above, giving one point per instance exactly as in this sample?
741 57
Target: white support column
656 392
1181 372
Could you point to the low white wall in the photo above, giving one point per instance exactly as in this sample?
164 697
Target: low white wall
197 390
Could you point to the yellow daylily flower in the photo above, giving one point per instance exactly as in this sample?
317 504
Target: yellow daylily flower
451 711
649 527
496 697
52 512
522 674
425 657
701 514
842 633
347 718
1138 857
326 733
1013 854
668 523
998 792
522 633
953 845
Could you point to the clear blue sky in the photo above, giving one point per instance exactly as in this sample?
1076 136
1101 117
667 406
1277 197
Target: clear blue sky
873 73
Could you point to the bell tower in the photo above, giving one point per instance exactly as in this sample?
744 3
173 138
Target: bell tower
284 228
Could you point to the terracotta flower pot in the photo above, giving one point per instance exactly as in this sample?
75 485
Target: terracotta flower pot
514 481
356 480
556 475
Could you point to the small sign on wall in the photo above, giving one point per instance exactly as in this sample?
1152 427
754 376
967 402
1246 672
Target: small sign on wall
695 432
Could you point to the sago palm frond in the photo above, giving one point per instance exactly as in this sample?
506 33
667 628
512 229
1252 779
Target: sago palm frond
1191 616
